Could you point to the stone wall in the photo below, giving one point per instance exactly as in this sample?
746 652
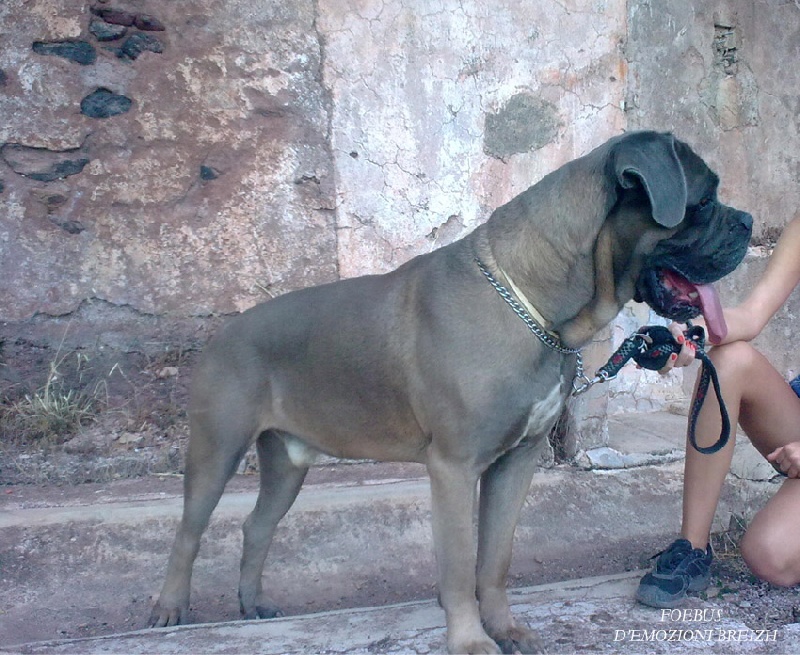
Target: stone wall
165 163
203 183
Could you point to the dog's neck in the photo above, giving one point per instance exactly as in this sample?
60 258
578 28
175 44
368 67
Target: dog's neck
565 245
503 261
482 251
524 301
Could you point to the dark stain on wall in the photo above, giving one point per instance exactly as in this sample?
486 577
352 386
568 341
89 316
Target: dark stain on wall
524 123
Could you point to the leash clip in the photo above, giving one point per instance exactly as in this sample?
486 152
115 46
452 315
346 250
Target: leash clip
637 343
583 383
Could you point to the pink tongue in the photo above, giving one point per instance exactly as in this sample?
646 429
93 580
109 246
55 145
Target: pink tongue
712 311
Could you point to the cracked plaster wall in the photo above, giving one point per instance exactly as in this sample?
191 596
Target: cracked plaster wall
415 85
264 146
724 74
271 145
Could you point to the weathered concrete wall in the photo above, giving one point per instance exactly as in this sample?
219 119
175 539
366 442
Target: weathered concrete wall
723 74
261 146
219 153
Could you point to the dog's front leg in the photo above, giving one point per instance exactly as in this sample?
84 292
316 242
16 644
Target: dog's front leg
504 486
453 500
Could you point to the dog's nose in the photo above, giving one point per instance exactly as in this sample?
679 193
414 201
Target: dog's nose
746 220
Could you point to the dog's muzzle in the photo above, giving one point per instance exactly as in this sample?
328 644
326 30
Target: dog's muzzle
677 278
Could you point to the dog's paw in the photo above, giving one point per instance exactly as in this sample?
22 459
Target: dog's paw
473 642
482 647
255 604
262 612
520 640
165 617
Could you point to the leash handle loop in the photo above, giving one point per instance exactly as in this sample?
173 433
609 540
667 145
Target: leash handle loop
655 357
708 372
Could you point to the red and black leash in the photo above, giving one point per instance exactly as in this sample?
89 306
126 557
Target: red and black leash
650 347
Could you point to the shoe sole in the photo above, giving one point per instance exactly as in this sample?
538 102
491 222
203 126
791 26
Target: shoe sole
654 597
699 583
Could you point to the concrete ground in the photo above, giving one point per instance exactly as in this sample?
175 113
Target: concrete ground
352 563
595 615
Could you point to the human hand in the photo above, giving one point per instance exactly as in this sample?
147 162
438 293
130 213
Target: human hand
687 353
787 459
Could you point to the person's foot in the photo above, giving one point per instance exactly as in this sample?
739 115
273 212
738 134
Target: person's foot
679 569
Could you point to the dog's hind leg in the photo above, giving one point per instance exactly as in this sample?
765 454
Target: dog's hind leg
281 478
217 444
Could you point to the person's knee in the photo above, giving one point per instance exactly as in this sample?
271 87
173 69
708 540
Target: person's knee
737 357
770 561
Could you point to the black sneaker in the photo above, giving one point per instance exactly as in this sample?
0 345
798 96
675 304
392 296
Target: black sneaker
679 569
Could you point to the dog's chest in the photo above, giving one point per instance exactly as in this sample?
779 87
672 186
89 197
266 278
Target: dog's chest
544 411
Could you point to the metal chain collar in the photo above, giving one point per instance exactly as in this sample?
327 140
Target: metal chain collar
548 339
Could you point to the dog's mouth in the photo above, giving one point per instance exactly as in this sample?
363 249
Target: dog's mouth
673 296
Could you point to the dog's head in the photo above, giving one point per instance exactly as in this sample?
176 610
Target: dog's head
709 239
636 218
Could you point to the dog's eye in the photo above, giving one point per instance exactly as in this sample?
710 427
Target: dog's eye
697 213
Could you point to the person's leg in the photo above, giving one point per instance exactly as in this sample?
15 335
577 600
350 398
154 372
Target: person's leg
769 412
760 400
737 365
771 545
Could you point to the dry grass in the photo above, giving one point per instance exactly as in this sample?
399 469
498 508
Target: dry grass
54 411
69 414
726 544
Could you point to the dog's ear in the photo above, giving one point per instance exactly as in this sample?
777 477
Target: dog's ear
650 159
